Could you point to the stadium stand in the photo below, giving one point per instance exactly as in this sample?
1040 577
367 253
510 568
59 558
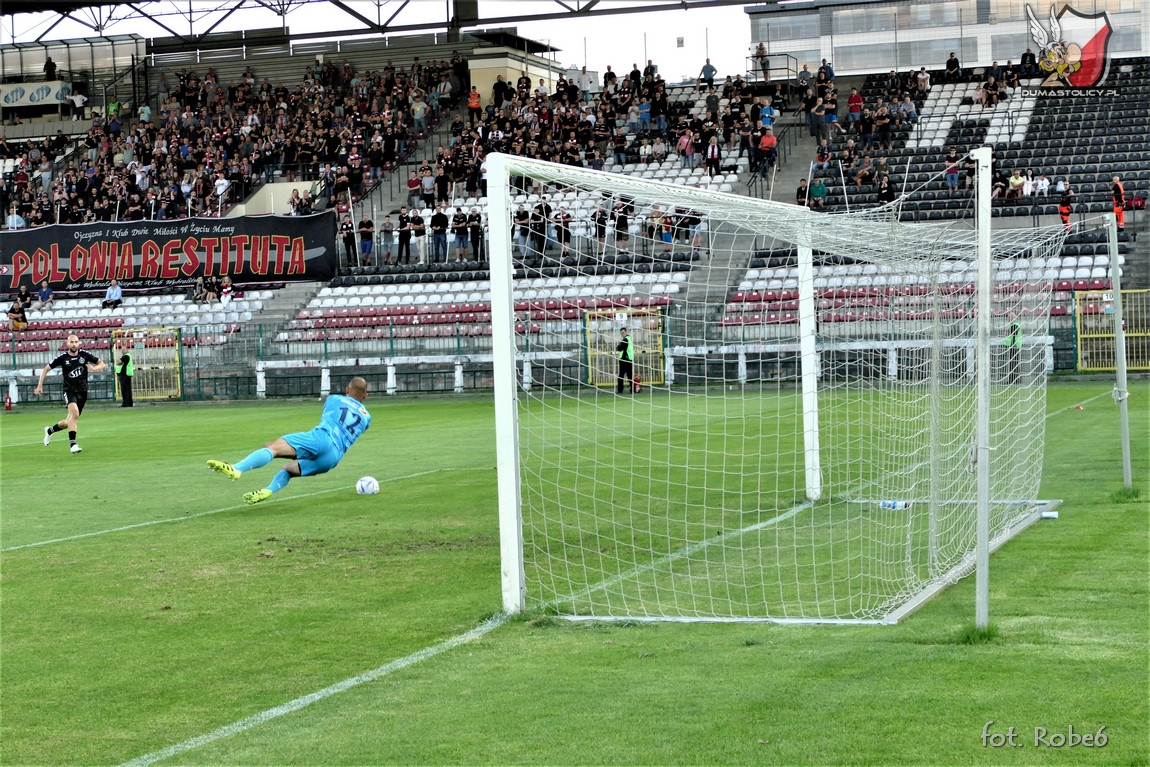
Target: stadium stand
337 116
202 324
766 298
1077 140
209 144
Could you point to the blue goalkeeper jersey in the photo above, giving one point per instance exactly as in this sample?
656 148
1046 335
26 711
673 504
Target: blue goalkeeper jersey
344 419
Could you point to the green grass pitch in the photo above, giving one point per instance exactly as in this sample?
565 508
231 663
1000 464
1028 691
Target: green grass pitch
143 605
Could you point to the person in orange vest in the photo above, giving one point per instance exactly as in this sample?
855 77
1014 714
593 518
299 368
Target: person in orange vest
1118 195
1065 205
474 105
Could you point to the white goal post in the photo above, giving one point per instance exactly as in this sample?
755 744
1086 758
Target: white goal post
842 395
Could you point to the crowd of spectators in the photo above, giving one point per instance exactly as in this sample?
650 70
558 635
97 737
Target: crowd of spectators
627 117
871 126
209 143
22 303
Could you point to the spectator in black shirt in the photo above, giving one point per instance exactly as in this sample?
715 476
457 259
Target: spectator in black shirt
438 235
459 229
1028 64
885 190
403 224
347 232
366 238
475 230
990 92
801 193
17 317
442 187
1010 77
418 234
24 296
953 69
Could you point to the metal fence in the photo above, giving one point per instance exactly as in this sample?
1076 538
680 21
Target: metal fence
1094 329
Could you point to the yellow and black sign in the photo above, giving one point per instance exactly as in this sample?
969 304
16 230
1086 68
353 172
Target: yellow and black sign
601 337
1094 325
156 357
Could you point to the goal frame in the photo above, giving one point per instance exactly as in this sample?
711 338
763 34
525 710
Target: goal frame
513 580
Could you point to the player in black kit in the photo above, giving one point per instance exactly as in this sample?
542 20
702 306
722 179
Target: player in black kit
74 364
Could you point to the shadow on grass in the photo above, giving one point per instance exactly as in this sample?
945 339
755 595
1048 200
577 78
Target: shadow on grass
1126 495
972 635
967 635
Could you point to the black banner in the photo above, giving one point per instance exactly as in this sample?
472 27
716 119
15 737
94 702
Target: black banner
146 254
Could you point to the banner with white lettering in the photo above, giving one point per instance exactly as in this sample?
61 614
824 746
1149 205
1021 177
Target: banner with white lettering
156 254
30 94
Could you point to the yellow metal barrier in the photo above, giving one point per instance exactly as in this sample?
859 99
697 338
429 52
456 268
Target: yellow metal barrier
1094 323
601 336
156 357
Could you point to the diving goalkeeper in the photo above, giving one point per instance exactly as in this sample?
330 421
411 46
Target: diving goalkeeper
317 451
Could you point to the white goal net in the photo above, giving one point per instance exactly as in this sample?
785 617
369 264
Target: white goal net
800 442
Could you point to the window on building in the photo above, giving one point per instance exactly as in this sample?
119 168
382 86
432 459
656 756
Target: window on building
773 27
862 58
933 54
847 21
1005 48
1012 10
948 13
1126 38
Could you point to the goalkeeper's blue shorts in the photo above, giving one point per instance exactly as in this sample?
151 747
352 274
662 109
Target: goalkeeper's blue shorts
315 451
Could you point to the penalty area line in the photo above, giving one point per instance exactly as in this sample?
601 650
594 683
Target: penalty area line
216 511
295 705
1077 404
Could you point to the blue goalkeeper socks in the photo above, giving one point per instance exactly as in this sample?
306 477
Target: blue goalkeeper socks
261 457
279 481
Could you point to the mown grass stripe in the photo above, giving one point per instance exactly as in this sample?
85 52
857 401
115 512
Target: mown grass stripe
216 511
306 700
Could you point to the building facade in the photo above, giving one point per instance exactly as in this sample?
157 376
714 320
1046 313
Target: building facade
861 37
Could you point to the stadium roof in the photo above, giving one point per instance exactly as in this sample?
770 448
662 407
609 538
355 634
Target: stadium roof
201 17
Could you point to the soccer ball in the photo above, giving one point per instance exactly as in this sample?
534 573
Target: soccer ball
367 486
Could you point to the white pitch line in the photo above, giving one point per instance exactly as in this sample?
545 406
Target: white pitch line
294 705
1083 402
38 442
213 511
